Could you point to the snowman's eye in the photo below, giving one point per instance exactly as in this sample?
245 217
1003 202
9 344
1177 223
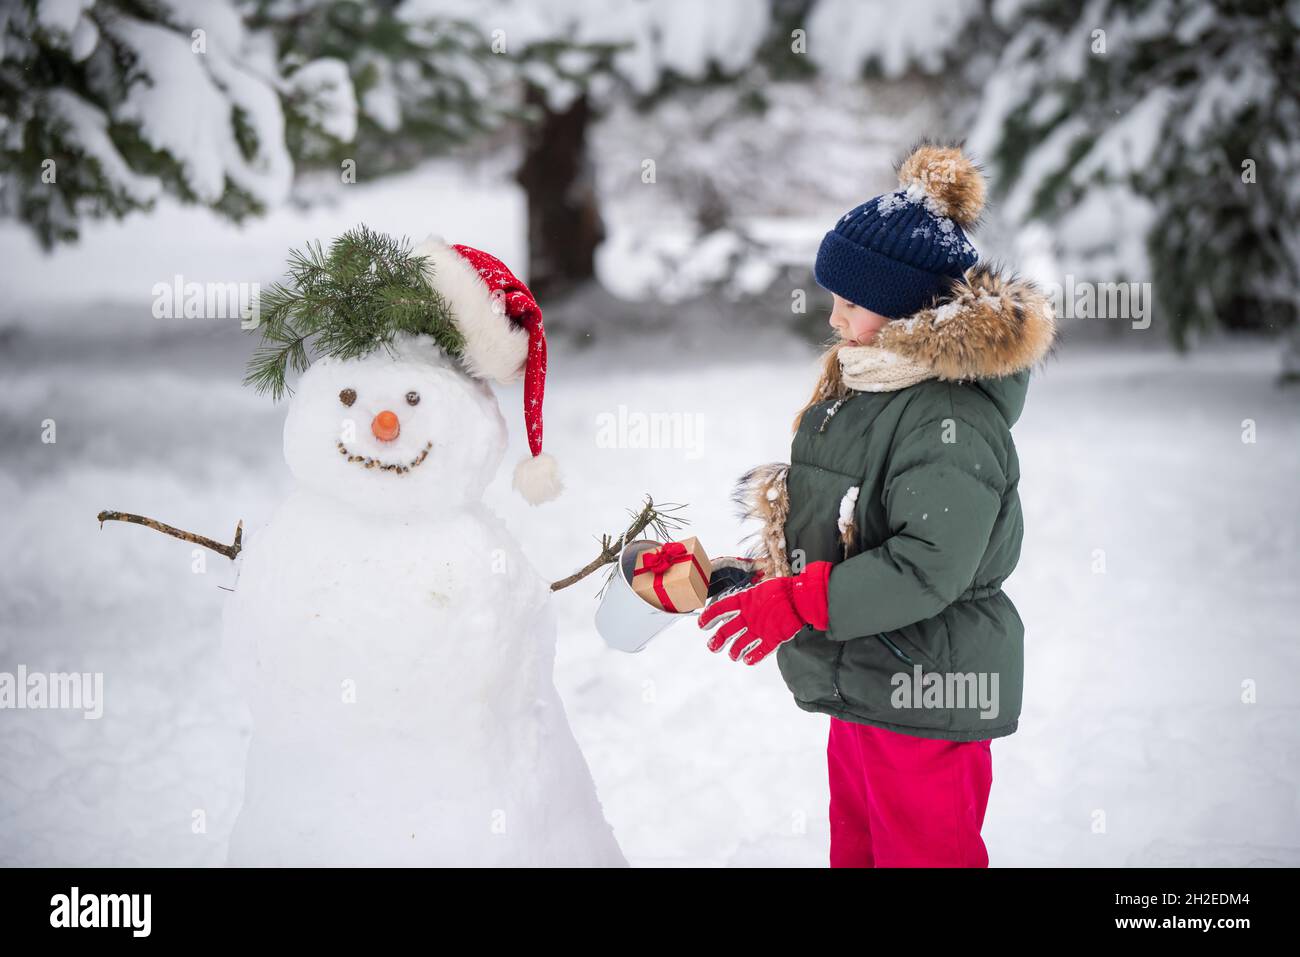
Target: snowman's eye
412 398
348 396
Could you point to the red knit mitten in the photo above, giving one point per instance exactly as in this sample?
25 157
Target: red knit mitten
770 613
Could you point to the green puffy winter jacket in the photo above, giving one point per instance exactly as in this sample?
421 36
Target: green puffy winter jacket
912 494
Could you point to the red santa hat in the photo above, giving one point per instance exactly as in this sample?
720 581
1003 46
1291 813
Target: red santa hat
501 324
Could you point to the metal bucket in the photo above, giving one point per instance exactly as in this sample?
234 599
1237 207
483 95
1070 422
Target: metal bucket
624 619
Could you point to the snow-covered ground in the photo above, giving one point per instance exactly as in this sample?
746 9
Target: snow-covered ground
1135 746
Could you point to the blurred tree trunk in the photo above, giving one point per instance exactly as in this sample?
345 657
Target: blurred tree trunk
564 224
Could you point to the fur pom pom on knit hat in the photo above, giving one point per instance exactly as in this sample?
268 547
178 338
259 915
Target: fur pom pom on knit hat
894 253
502 327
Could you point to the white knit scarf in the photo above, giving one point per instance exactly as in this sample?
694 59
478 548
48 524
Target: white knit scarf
872 369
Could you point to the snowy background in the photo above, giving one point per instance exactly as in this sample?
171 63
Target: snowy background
1158 583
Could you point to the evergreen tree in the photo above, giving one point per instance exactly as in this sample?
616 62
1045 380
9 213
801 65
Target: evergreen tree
1159 139
425 80
572 61
108 105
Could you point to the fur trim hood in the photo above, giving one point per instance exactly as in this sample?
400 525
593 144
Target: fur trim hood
761 496
991 324
989 327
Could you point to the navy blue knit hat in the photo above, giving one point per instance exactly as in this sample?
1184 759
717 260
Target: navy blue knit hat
895 253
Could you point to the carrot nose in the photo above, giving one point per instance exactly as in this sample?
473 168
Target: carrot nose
385 426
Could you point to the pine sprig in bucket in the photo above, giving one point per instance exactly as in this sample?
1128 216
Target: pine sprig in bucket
659 519
347 302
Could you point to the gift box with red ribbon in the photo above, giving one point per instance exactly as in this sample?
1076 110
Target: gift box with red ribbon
674 576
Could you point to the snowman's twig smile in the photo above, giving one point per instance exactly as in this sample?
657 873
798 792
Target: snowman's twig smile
367 462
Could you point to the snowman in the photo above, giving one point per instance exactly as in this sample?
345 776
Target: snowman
393 643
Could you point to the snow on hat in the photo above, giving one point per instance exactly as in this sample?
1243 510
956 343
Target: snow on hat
502 327
896 252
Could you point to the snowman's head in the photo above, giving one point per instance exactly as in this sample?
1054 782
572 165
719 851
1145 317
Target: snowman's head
401 431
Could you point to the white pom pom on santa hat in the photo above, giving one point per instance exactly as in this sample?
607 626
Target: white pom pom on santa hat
501 325
537 478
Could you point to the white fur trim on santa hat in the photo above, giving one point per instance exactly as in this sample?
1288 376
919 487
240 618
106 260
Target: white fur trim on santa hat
495 347
537 478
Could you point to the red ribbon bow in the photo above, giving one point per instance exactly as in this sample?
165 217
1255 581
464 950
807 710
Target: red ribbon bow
659 560
665 557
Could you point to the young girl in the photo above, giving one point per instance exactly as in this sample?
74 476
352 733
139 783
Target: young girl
887 538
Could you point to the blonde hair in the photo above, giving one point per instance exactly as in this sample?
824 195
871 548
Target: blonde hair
830 385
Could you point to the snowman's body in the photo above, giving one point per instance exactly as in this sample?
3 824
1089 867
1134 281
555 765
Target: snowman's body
396 648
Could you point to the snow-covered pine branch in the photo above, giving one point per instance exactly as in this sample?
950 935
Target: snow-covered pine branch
109 105
1158 141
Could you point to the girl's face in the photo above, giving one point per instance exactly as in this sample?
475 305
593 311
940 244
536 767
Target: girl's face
855 323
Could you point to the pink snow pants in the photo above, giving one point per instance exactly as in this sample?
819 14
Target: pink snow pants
901 801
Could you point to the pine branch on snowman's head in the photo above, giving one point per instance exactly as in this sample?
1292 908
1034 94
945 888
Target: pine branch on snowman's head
371 295
357 298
